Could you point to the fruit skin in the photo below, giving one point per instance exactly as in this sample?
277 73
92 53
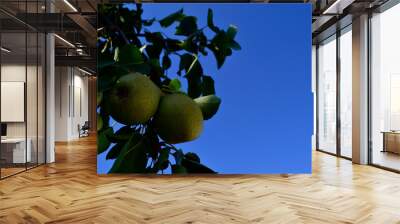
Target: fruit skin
178 119
134 99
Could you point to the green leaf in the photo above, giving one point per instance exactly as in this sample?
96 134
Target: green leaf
115 151
122 135
209 105
166 62
190 45
99 97
108 76
210 22
231 32
187 26
102 140
149 22
155 67
162 159
132 158
202 39
235 46
130 54
195 167
194 84
208 85
219 46
175 85
177 16
219 55
154 51
154 143
178 155
173 45
194 72
104 61
155 38
178 169
192 156
99 122
141 68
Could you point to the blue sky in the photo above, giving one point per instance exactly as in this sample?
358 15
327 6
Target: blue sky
264 124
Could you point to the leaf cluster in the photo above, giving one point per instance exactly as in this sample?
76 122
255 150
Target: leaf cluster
127 43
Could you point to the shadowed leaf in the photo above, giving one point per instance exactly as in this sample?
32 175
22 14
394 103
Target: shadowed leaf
187 26
210 22
195 167
115 151
178 169
102 140
208 85
132 158
192 156
167 21
130 54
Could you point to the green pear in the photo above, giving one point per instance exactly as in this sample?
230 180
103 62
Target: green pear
134 99
178 119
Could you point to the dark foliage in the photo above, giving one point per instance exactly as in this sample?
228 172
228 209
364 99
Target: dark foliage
125 45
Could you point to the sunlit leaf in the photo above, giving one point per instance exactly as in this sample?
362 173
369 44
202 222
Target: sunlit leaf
175 85
209 105
231 32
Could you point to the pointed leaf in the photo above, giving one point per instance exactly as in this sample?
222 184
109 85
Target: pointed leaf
231 32
132 158
235 46
99 122
208 85
195 167
99 97
192 156
102 140
187 26
149 22
122 135
177 16
130 54
210 22
115 151
166 62
162 159
209 105
178 169
178 155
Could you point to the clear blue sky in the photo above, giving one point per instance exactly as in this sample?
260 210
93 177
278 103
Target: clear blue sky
264 124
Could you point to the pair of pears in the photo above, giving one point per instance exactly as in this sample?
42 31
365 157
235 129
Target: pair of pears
136 99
